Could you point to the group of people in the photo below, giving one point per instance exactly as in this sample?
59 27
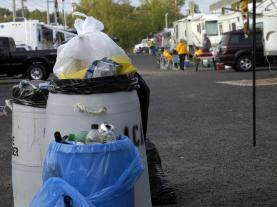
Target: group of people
181 50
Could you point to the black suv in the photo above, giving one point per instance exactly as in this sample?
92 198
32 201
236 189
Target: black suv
235 50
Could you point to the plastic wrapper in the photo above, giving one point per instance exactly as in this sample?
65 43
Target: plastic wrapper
103 173
54 192
107 84
161 190
89 45
28 94
102 68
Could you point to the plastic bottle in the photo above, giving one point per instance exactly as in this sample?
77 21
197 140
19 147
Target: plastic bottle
107 133
90 71
93 135
105 67
58 137
71 137
68 201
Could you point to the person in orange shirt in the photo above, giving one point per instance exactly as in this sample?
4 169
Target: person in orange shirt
181 49
166 60
167 55
197 52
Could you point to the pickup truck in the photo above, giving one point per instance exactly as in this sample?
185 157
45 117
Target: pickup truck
35 64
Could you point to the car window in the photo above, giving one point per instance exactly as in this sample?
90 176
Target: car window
259 37
20 49
224 40
3 42
238 39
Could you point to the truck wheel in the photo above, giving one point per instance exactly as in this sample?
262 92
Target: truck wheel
244 63
37 72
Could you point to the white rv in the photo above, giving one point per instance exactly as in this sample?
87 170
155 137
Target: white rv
230 22
270 28
34 34
193 27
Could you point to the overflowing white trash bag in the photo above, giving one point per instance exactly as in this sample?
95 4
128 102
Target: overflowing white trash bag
89 45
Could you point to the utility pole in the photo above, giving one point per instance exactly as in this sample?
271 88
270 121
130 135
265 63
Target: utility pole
254 48
22 6
14 10
56 12
166 24
47 12
176 4
64 15
72 6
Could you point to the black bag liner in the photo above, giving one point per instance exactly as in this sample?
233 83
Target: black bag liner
30 96
107 84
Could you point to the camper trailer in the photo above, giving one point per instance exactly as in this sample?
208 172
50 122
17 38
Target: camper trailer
33 33
193 27
270 28
230 22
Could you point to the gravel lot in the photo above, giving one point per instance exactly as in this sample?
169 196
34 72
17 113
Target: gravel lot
203 130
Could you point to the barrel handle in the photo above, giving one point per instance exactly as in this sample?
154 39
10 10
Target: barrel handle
83 109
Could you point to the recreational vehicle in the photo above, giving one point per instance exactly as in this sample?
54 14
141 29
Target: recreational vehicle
270 29
230 22
193 27
35 34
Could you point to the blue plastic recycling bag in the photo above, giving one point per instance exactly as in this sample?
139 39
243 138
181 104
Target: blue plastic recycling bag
52 194
104 173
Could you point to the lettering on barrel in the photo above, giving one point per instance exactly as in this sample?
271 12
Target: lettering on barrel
14 148
135 134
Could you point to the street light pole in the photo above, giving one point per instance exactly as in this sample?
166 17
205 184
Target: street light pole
166 25
22 5
47 12
254 71
14 10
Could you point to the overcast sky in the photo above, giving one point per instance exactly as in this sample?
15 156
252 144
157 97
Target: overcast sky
203 4
41 4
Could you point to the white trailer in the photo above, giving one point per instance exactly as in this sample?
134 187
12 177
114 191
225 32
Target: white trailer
270 28
34 34
193 27
230 22
179 27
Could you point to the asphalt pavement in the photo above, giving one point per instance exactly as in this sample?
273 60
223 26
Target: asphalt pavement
203 130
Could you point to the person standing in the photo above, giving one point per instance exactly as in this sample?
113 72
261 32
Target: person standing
206 43
181 49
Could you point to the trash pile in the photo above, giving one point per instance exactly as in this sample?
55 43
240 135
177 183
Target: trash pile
97 135
90 173
33 93
91 54
89 163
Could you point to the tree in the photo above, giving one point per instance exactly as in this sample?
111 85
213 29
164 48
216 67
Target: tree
38 15
128 23
5 15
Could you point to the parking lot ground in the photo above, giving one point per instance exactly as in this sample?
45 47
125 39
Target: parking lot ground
203 131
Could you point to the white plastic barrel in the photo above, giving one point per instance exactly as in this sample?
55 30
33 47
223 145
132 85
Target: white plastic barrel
28 125
74 113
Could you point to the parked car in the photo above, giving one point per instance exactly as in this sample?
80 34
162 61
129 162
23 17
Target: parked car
35 64
235 50
141 47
